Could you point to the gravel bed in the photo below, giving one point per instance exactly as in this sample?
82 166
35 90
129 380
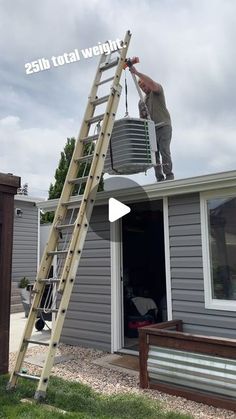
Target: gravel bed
110 381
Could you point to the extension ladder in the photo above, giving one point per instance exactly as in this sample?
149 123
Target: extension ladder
78 229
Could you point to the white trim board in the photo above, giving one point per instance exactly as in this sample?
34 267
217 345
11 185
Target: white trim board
116 315
167 258
210 303
26 198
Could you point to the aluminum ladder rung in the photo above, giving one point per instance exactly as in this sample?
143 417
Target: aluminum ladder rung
82 159
57 252
89 139
100 100
64 226
42 309
106 66
27 376
71 203
49 281
37 342
95 118
78 180
115 51
105 81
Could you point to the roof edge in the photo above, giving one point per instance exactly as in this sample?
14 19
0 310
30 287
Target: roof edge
26 198
157 190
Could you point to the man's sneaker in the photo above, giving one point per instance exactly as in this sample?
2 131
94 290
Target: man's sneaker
160 178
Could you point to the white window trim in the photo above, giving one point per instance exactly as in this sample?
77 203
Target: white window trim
167 258
211 303
116 314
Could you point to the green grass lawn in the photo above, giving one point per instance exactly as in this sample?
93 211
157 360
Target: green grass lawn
79 400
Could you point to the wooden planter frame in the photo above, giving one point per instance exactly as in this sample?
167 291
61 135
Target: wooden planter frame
170 335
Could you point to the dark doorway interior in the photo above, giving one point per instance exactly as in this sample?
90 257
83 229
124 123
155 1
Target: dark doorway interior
144 284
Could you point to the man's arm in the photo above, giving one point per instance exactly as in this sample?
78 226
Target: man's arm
151 84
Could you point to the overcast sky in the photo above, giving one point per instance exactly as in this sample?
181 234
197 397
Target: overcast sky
186 45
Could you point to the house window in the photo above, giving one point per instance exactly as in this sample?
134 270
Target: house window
219 251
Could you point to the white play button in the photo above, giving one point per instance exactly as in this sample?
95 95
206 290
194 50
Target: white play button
117 209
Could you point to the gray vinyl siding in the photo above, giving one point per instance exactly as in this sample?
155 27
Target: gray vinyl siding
25 242
88 319
186 265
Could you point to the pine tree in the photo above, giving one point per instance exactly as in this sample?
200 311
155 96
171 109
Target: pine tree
61 172
23 190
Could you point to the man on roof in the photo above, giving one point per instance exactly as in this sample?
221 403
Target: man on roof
156 105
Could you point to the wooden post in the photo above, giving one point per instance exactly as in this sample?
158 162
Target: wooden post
143 355
8 188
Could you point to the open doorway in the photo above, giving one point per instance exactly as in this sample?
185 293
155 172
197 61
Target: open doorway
144 281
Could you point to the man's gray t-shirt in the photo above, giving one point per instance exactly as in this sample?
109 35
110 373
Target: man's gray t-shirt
156 105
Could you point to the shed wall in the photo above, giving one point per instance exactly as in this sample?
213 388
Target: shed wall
88 319
187 284
25 242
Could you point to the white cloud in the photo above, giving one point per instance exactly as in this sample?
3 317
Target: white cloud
32 153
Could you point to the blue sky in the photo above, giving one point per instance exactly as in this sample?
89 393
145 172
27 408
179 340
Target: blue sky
186 45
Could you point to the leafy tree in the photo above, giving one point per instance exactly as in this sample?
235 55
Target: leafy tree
55 188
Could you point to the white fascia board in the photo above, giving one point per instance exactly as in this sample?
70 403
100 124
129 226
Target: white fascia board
157 190
26 198
116 293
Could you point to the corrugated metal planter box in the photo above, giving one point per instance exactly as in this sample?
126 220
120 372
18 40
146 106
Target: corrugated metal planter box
132 147
197 367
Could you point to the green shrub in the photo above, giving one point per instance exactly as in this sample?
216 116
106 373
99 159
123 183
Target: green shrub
24 282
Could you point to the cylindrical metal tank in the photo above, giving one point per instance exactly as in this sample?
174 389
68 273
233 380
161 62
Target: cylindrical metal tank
132 147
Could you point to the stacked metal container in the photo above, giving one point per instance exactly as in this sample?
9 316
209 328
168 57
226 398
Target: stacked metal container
132 147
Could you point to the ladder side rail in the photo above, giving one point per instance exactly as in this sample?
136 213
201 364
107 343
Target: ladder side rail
91 187
92 184
79 234
70 270
100 152
61 210
72 173
60 213
84 214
